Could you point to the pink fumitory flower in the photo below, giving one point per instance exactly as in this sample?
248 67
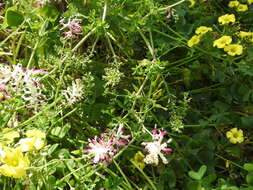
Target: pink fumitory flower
156 148
73 27
18 81
103 148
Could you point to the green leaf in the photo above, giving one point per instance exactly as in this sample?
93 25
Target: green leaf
249 178
49 12
12 17
52 148
60 131
198 175
248 167
194 185
209 179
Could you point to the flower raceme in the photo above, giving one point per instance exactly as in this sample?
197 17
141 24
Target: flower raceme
23 82
103 148
74 92
73 27
235 136
156 148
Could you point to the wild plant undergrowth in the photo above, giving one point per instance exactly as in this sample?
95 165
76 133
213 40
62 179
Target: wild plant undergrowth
121 94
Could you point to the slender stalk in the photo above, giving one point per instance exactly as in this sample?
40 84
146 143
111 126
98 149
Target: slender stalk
221 157
122 173
144 175
32 55
18 46
147 43
170 6
12 34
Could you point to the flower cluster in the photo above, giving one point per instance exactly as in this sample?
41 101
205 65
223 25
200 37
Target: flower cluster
74 93
235 136
14 161
72 28
231 49
200 31
247 36
103 148
157 148
238 6
21 82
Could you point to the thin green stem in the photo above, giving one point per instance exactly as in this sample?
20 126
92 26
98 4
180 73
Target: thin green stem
18 46
221 157
32 54
170 6
144 175
147 43
12 34
123 175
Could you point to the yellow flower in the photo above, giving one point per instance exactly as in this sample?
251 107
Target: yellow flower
233 4
226 19
35 133
193 41
9 136
235 136
242 8
222 42
139 159
202 30
233 49
14 163
250 1
34 141
243 34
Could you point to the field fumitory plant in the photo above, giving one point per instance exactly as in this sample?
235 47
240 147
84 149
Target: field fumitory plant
126 95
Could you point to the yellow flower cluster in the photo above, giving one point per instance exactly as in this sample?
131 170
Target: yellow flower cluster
246 36
14 162
238 6
235 136
200 31
231 49
226 19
